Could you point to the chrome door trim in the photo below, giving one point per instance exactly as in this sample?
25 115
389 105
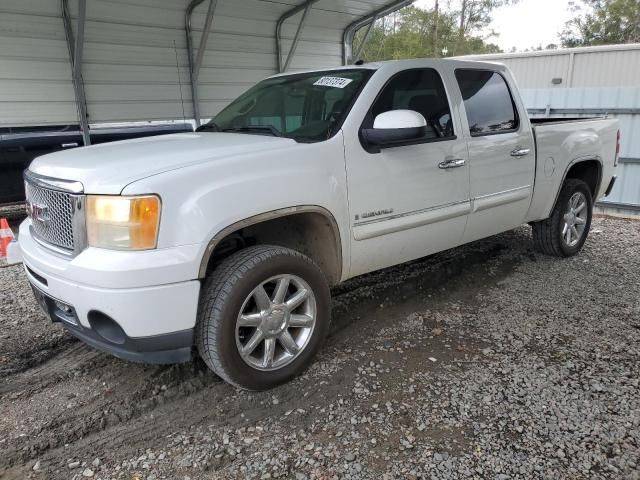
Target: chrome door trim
484 202
405 221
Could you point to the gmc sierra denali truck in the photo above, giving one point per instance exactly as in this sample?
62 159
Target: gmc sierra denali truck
226 241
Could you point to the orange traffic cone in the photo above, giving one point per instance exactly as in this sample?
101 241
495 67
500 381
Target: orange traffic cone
6 235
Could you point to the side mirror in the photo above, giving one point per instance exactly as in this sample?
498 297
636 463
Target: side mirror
394 128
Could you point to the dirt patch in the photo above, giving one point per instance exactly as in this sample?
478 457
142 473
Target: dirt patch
424 371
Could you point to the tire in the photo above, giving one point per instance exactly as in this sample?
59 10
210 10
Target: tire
550 237
233 312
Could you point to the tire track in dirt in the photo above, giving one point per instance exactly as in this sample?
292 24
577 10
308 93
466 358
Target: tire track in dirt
54 369
141 405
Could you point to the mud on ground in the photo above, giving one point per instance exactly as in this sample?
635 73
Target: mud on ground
485 361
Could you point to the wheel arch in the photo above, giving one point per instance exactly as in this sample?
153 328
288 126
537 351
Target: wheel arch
309 229
588 169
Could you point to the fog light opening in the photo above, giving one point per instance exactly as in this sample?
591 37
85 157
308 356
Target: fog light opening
107 327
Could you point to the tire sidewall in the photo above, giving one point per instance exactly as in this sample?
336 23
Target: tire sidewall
567 192
232 363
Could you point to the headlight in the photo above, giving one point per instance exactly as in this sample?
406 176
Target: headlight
123 223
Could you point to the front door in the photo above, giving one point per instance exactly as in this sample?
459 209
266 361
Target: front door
501 154
408 201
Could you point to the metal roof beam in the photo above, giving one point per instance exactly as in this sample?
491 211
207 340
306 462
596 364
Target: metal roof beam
353 27
305 8
196 64
365 38
75 46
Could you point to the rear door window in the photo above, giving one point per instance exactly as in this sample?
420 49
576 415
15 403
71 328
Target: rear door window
487 101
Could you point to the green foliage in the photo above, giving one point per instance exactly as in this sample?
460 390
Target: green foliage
417 33
604 22
474 15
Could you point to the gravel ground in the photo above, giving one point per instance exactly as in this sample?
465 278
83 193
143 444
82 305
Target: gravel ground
488 361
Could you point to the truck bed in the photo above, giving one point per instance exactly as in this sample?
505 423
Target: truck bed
557 120
560 142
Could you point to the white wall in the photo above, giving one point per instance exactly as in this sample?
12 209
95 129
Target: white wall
606 66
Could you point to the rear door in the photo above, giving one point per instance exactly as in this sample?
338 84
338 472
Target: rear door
501 153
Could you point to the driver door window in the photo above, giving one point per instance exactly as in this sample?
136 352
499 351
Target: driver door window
420 90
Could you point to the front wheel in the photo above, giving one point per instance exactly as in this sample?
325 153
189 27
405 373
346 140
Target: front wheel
563 234
262 316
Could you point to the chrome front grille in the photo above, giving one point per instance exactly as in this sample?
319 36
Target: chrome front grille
55 213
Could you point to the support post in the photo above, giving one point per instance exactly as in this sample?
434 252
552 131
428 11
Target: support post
75 45
296 38
195 64
305 8
572 61
365 38
352 28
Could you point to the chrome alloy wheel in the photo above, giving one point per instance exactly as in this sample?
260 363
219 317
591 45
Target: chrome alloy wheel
575 219
276 322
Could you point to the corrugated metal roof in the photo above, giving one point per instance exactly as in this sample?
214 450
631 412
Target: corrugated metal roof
135 62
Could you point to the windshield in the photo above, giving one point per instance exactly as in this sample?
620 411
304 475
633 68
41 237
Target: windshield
305 106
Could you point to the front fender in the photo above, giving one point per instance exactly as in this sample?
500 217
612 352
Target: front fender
201 201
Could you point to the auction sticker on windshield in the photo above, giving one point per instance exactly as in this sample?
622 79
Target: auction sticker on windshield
336 82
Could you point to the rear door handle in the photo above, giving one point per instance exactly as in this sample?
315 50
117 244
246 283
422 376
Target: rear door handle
452 163
520 152
69 145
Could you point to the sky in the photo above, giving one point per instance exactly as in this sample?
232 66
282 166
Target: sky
527 24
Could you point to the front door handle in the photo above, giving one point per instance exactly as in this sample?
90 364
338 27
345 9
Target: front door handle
520 152
452 163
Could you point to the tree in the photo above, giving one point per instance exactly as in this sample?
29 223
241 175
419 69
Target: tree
417 33
475 15
604 22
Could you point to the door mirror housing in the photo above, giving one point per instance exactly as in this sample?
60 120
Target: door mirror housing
394 128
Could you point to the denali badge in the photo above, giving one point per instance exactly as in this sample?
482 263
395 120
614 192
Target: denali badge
375 213
39 213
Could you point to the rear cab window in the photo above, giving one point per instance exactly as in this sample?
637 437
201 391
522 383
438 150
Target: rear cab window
488 102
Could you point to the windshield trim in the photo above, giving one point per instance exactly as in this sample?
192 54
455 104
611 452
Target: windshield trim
367 74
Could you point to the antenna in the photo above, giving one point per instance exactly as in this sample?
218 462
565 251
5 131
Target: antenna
175 49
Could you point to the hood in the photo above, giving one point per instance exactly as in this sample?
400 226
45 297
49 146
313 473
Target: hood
109 167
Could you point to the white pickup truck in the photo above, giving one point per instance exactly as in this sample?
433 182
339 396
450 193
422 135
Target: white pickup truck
225 241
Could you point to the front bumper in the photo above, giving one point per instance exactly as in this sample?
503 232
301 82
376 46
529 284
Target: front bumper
139 321
106 335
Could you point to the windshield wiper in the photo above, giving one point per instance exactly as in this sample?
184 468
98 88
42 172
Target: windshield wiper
256 128
208 127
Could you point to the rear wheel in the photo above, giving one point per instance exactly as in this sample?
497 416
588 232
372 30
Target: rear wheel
563 234
263 314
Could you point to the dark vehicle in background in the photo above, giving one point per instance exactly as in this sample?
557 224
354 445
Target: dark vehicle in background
20 145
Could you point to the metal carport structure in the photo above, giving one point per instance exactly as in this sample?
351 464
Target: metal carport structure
97 61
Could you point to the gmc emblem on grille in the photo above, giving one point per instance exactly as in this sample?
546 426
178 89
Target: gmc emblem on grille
39 213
